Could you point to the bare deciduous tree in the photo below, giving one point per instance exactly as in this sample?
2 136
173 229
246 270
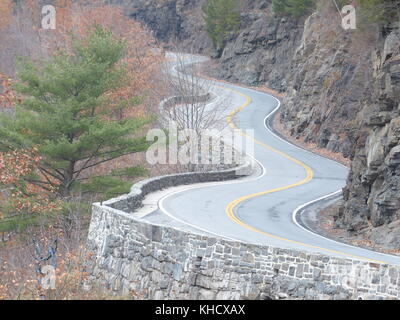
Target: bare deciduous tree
201 106
197 103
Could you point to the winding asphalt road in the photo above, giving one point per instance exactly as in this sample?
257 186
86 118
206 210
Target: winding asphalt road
262 209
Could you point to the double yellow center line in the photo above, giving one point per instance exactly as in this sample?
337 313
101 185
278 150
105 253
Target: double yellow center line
230 209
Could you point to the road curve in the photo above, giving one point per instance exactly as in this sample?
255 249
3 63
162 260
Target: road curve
262 210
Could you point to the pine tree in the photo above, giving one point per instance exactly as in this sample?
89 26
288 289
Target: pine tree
64 114
294 8
221 18
380 11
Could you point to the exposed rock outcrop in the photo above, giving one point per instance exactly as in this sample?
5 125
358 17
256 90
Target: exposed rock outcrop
251 56
372 195
175 22
263 44
328 85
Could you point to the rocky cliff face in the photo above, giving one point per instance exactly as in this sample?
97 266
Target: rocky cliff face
251 56
175 22
264 43
326 78
328 84
372 195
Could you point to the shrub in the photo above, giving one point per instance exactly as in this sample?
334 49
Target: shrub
221 18
293 8
380 11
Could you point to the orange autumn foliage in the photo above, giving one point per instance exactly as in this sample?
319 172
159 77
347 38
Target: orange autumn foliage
24 196
143 59
14 165
23 35
7 96
6 7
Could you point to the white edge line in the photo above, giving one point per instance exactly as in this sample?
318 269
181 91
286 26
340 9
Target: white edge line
294 217
206 185
295 212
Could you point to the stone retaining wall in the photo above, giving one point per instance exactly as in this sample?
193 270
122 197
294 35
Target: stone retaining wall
157 262
178 100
